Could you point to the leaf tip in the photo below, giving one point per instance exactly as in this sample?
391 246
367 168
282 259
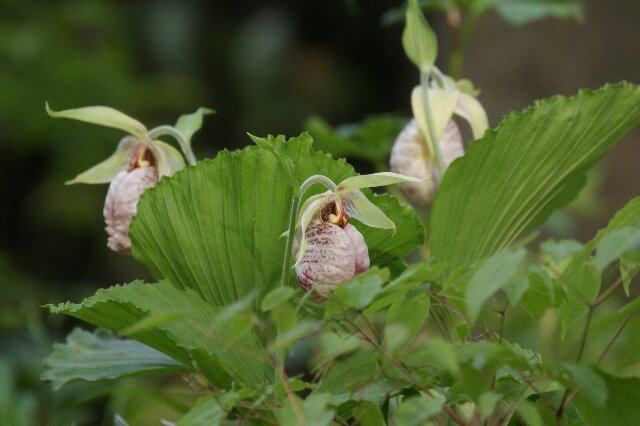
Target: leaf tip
47 108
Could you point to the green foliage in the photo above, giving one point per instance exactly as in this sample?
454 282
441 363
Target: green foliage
287 169
314 410
367 413
416 410
205 338
188 124
406 318
225 231
397 344
519 171
207 411
493 275
621 406
418 39
16 407
370 140
100 356
615 244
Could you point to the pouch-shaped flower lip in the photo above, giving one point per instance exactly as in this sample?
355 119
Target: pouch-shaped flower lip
348 197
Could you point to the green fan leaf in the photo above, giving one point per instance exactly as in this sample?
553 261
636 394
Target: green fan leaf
101 356
216 227
523 169
199 338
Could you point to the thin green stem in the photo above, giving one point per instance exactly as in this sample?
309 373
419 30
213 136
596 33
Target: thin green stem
570 395
463 35
185 145
435 146
312 180
406 371
286 262
605 351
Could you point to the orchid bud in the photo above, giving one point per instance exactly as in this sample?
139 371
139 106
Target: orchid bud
122 198
410 157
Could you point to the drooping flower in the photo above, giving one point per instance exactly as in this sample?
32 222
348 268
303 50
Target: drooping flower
412 152
334 255
329 250
139 161
137 175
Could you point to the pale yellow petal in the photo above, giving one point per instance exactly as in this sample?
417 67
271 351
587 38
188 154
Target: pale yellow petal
169 159
358 206
471 110
107 170
102 116
442 103
373 180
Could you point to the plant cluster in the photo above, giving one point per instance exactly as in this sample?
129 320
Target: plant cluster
454 315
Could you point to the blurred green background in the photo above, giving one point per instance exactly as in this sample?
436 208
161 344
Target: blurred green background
265 66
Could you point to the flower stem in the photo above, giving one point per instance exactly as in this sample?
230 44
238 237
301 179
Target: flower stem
286 262
312 180
185 145
433 138
460 43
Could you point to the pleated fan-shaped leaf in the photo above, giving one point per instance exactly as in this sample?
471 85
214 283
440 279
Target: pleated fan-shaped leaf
216 227
194 339
518 173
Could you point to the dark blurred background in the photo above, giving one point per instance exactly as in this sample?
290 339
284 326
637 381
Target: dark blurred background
265 66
